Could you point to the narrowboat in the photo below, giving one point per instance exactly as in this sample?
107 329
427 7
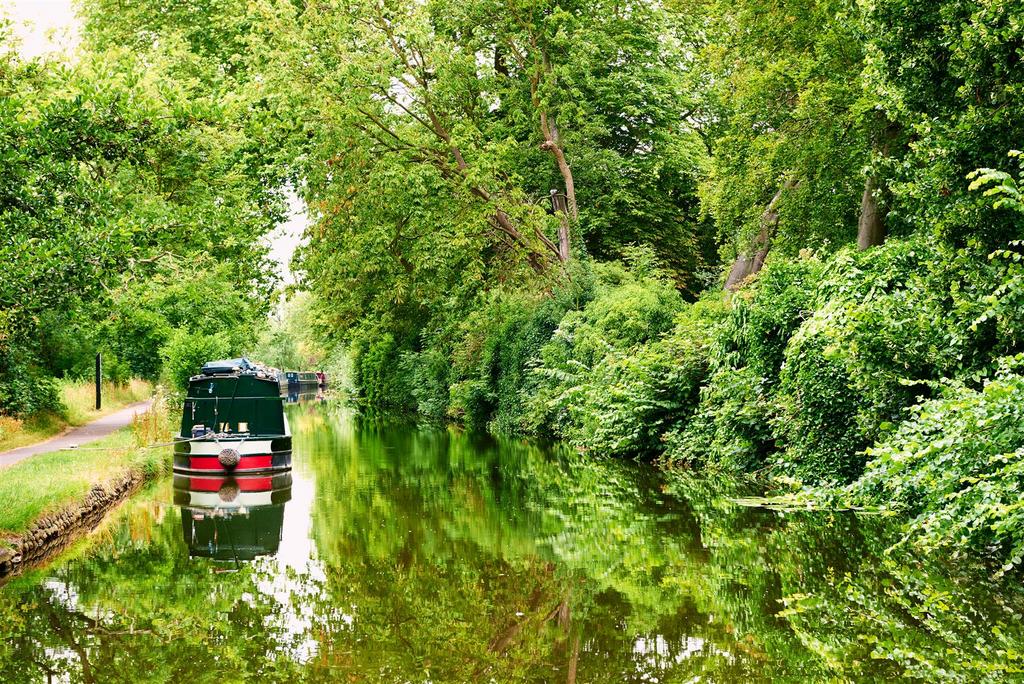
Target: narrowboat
229 518
301 386
302 382
233 421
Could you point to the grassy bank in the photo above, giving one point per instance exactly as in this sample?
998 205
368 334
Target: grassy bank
78 399
48 482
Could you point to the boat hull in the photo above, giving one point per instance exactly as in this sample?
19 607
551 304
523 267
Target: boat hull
255 455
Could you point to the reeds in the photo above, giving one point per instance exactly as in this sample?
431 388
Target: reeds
155 425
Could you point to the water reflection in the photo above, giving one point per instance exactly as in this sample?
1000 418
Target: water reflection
228 518
296 397
425 555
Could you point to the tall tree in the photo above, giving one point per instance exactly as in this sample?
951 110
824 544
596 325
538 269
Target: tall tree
791 128
434 133
948 73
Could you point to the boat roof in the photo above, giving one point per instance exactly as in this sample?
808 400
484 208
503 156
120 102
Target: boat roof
228 366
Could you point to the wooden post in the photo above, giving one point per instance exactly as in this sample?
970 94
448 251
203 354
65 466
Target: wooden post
99 381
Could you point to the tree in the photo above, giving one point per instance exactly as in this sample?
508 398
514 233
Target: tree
947 73
442 129
790 128
121 178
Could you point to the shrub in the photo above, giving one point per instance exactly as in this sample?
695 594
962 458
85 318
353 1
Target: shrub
732 426
767 314
818 407
957 466
893 320
133 334
628 401
470 401
377 372
625 313
427 374
185 353
25 388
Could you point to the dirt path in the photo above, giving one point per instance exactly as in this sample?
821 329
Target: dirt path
101 427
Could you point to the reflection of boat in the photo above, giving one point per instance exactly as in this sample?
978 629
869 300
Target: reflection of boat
299 397
228 518
233 421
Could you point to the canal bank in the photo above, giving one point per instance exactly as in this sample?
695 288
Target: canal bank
77 399
410 553
48 500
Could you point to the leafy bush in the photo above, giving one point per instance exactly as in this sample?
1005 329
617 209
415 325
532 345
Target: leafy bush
24 387
817 420
133 334
607 380
957 466
732 426
766 315
892 320
377 372
185 353
26 391
630 400
427 375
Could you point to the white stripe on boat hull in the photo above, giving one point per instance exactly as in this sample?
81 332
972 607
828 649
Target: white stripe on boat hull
254 446
246 499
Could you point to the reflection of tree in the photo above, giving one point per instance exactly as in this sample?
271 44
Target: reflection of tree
136 609
447 558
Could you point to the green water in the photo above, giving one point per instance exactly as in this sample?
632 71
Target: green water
424 555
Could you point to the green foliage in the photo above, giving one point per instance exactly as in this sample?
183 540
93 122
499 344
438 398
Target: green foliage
629 400
428 201
785 104
818 408
1003 306
496 349
604 380
731 427
26 388
763 319
377 372
185 352
946 72
955 467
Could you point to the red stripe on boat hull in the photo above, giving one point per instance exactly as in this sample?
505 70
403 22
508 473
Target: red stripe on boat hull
245 463
245 484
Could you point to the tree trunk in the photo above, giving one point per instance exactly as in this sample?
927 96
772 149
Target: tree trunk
567 209
574 661
558 206
749 262
871 226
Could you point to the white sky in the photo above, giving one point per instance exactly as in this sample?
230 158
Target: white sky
288 235
46 26
42 25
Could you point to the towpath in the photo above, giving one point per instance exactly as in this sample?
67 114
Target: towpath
101 427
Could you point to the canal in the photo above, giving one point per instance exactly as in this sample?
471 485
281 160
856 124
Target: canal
398 553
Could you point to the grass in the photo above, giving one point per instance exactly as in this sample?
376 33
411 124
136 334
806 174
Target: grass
79 399
47 482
